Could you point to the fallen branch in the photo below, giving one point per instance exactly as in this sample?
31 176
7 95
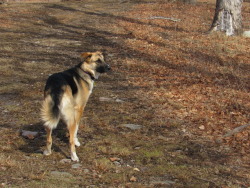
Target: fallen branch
236 130
161 17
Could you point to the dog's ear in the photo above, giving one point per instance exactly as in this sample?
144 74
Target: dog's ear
86 55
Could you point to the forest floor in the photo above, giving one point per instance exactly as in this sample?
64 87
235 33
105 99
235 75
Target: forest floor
183 88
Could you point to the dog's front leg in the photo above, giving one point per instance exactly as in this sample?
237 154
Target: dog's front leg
78 113
72 132
77 143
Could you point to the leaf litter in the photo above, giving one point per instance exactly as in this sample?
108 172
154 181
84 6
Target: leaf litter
186 88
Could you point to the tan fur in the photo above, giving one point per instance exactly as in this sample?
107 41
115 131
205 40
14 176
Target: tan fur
71 107
46 113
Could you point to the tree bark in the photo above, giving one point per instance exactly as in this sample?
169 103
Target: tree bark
227 17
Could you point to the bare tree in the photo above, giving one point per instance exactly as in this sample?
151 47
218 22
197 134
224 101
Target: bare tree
227 17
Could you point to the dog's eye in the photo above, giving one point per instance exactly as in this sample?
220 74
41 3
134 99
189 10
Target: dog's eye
99 61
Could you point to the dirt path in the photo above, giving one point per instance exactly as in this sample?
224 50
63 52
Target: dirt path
39 39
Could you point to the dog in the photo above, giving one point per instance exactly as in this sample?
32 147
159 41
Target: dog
66 94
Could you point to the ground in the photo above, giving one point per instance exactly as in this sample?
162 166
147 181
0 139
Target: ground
184 89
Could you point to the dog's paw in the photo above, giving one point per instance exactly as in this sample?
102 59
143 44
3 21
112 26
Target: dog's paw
74 157
46 152
77 143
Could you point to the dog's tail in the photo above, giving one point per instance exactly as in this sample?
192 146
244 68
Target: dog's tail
50 112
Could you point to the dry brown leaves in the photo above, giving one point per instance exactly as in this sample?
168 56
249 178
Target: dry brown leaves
187 75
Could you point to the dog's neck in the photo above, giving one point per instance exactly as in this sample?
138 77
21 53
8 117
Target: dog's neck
85 73
86 77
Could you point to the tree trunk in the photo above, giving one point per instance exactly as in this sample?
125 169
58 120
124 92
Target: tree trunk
227 17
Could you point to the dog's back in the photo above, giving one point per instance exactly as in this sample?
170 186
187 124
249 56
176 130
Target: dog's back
53 92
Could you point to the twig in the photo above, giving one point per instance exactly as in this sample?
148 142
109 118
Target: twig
161 17
236 130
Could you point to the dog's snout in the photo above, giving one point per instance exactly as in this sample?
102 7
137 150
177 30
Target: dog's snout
108 67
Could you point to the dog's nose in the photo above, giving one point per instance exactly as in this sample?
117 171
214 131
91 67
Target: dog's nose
108 67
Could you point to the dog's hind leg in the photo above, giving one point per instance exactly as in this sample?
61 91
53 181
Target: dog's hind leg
47 151
69 116
50 115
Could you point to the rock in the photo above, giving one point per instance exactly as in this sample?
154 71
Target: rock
202 127
246 34
105 99
65 161
77 165
116 163
119 100
132 126
108 99
61 174
86 170
29 134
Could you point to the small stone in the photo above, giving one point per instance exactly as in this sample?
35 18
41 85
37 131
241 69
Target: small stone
246 34
202 127
29 134
77 165
116 163
110 55
119 100
65 161
105 99
133 179
108 99
132 126
85 170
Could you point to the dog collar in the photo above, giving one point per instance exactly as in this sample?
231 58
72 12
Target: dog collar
90 75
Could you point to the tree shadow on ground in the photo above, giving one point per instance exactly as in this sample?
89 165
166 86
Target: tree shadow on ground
37 144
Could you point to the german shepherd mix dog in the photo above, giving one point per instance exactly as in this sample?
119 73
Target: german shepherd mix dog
66 94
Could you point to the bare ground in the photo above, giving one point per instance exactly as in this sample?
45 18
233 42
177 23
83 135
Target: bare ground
185 88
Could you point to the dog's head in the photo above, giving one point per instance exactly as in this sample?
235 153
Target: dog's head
94 63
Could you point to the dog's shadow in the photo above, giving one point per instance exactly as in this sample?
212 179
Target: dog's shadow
37 144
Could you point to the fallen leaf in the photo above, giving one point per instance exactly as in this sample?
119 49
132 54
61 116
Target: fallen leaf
133 179
114 159
136 169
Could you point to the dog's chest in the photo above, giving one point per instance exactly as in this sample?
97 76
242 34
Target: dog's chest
85 91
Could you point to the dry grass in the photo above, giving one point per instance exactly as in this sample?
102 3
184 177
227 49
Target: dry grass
184 87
